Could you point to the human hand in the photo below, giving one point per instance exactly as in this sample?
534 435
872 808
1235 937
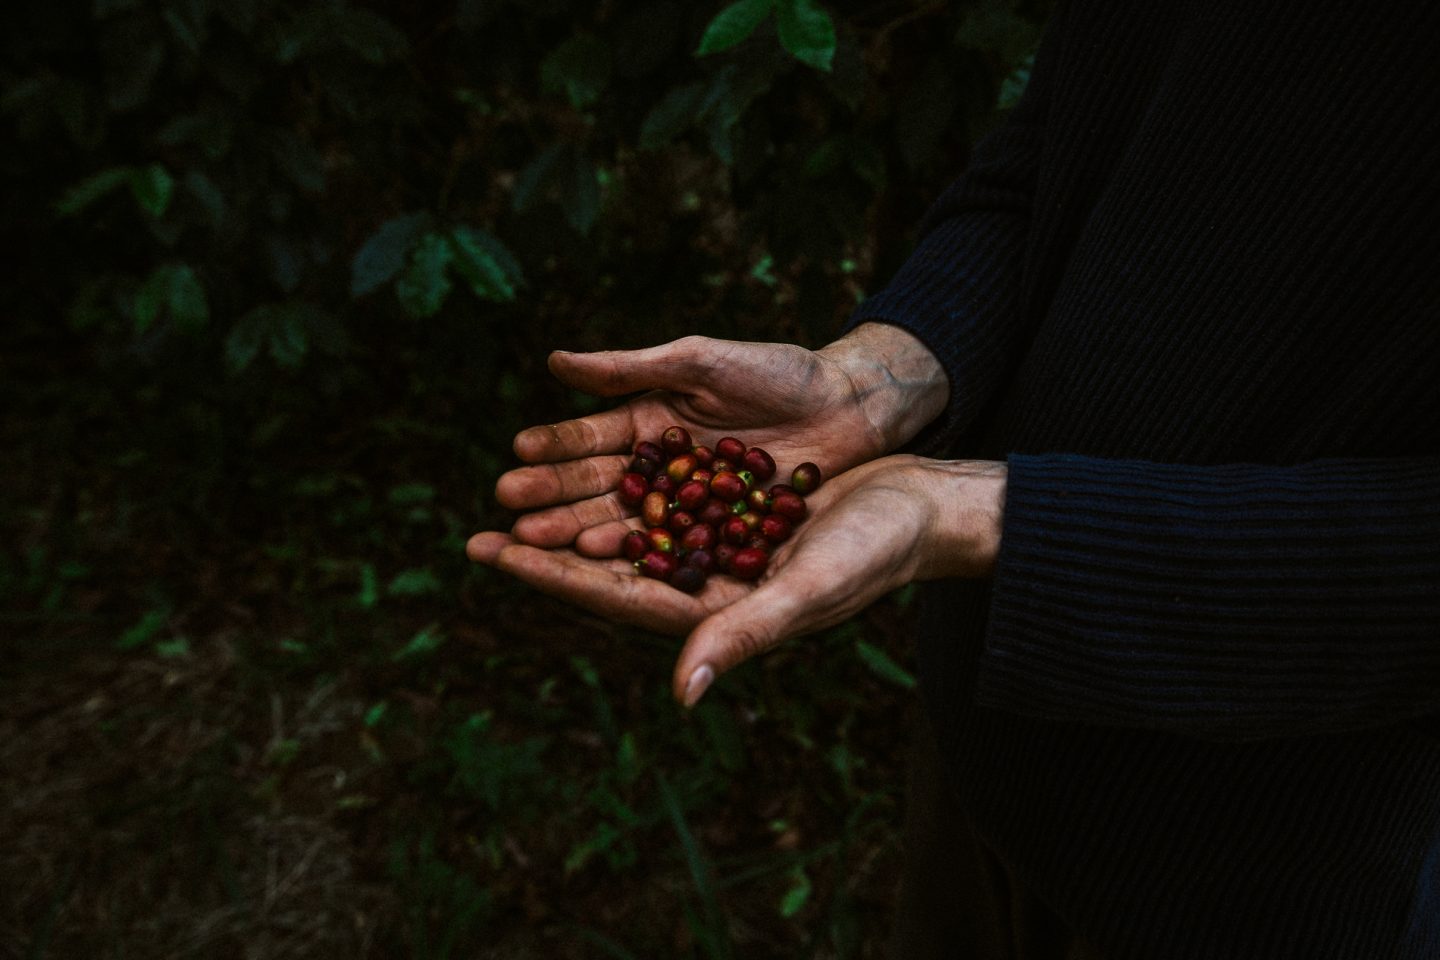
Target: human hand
870 530
836 407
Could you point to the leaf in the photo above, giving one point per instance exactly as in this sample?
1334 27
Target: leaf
142 633
484 262
579 69
369 35
882 666
428 640
582 199
733 24
414 582
245 339
175 290
534 181
383 255
807 32
672 116
91 189
152 188
369 593
1013 87
425 284
289 334
799 892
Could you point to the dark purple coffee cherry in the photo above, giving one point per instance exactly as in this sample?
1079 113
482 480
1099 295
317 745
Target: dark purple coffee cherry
714 512
700 559
805 478
646 450
646 468
758 462
688 579
663 484
675 440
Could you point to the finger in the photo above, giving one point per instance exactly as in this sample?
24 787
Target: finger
749 626
604 540
610 588
612 431
559 526
485 547
677 365
529 487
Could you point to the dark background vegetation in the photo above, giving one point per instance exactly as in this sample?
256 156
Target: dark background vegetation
281 280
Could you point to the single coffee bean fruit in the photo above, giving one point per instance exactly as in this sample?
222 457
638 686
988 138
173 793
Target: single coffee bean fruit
724 554
749 563
655 509
680 521
657 565
714 512
805 478
728 448
704 476
676 440
663 484
633 488
646 468
780 488
758 501
681 467
699 559
739 507
698 537
635 545
735 531
728 486
703 456
775 528
692 495
661 540
758 462
646 450
757 542
752 519
791 506
721 465
688 579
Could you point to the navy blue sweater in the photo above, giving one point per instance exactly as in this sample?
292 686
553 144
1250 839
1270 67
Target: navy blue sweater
1191 291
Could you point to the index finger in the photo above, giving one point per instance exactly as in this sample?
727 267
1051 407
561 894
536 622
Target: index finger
610 432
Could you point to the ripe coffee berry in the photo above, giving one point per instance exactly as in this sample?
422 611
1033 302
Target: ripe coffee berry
705 509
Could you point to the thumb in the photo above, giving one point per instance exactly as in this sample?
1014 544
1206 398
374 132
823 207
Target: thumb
670 366
749 626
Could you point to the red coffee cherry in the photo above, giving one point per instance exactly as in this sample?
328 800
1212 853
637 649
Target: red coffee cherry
698 537
791 506
633 488
735 531
655 509
692 495
805 478
758 462
704 476
663 484
703 456
721 465
758 501
728 487
775 528
714 512
728 448
724 554
675 440
635 545
749 563
757 542
657 565
680 521
660 540
645 450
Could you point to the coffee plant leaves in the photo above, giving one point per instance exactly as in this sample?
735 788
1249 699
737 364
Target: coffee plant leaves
806 31
672 116
486 265
1013 87
175 290
578 69
383 255
582 195
733 24
289 339
425 284
538 178
246 337
152 188
91 189
882 666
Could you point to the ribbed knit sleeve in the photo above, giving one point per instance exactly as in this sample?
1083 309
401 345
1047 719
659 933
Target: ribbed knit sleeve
958 292
1233 601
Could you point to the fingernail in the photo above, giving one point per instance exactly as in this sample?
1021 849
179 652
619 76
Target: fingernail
698 683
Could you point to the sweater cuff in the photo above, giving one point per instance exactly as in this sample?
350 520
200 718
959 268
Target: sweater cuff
1235 601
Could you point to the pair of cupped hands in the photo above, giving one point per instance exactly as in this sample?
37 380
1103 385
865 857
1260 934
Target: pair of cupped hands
876 523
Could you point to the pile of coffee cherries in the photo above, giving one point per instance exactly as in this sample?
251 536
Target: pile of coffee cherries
705 510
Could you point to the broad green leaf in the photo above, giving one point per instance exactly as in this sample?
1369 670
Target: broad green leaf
1013 88
175 290
672 116
143 631
414 582
485 264
290 334
425 284
806 31
882 666
383 255
578 69
733 24
152 188
799 892
92 188
428 640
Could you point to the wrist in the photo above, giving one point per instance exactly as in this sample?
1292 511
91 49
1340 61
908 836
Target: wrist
967 502
897 383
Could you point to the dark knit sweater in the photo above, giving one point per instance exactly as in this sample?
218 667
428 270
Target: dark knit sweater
1191 291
